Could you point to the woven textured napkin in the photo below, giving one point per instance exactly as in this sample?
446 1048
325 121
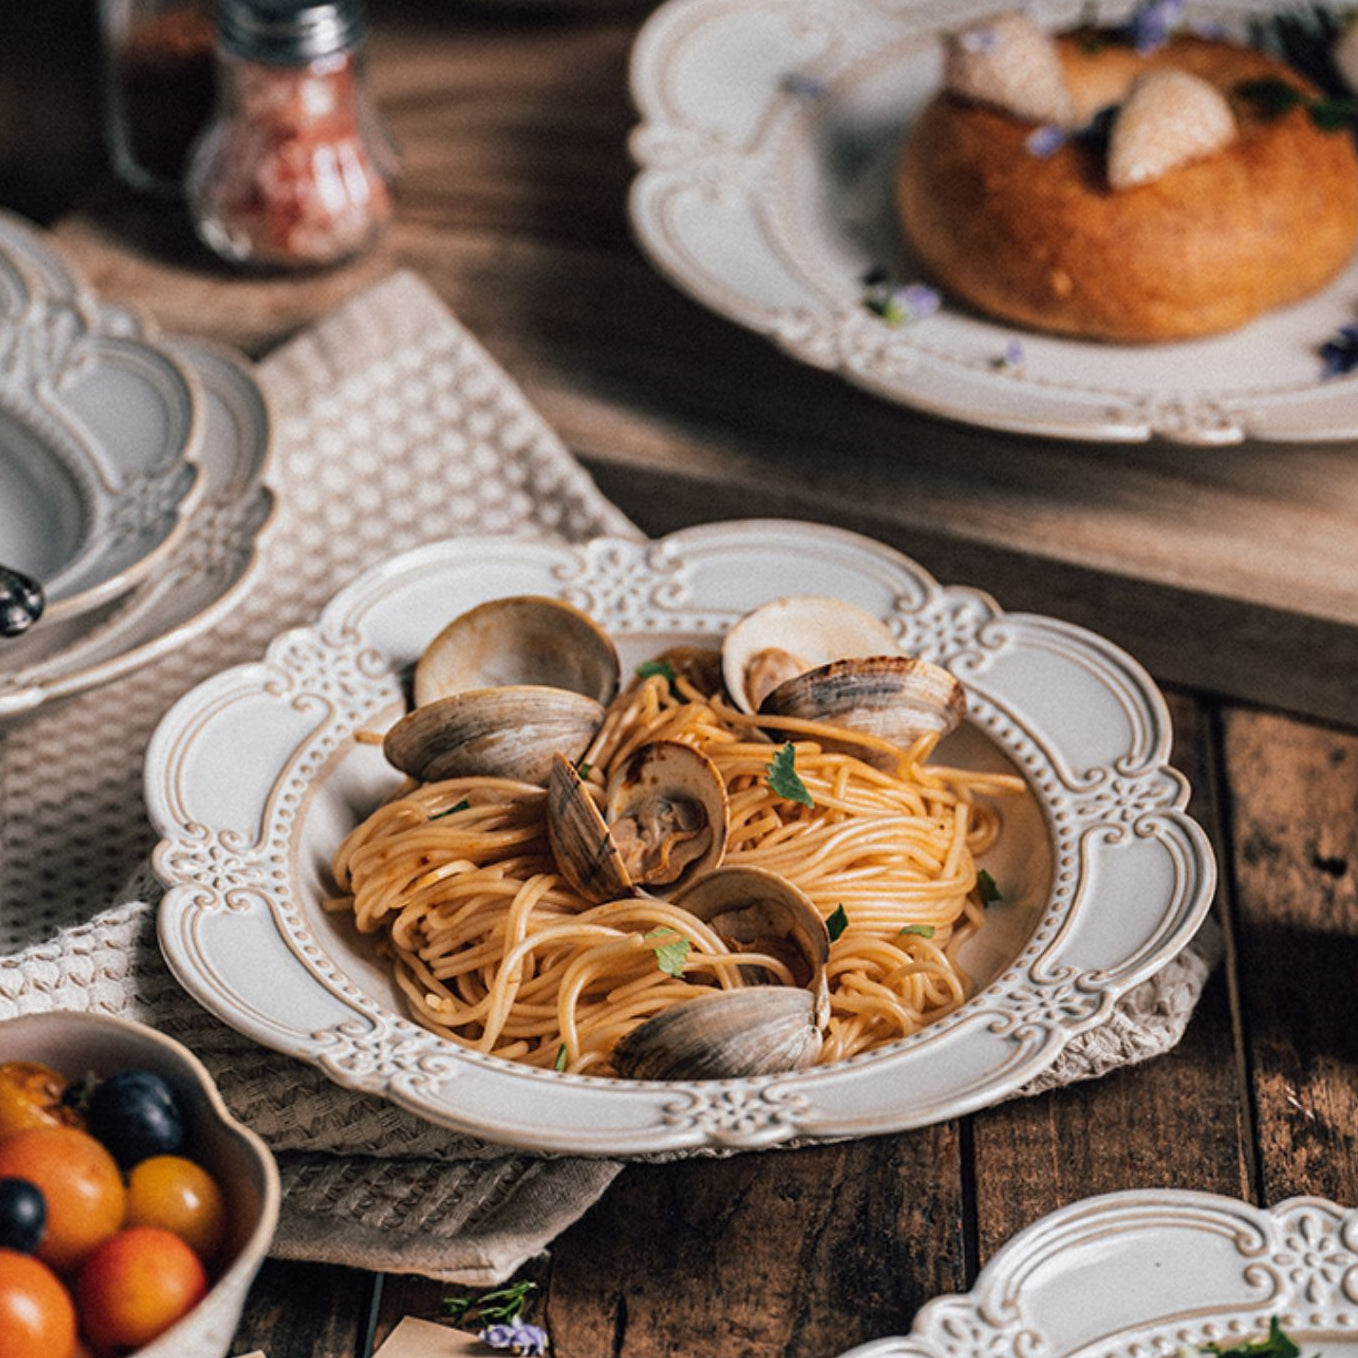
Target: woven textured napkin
393 428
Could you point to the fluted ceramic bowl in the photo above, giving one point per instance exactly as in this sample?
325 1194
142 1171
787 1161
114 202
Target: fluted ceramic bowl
76 1044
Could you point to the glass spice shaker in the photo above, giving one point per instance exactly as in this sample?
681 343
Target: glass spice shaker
158 87
294 168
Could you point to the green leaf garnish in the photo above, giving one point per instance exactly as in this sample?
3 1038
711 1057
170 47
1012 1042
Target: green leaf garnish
504 1305
583 768
837 922
1277 1345
923 930
452 810
670 957
1270 96
986 888
784 779
1331 114
649 667
560 1062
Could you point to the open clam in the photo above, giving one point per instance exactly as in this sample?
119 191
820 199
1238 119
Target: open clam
820 659
758 1029
502 689
662 823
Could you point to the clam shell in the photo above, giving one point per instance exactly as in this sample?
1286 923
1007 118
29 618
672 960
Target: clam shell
721 1035
895 697
495 732
526 639
809 630
662 784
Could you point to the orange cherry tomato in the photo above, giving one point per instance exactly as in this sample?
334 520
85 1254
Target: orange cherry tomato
135 1286
82 1185
37 1316
180 1196
30 1096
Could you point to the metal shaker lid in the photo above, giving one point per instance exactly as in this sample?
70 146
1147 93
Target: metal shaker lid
289 32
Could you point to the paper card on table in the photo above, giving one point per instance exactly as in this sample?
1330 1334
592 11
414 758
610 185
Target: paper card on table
414 1338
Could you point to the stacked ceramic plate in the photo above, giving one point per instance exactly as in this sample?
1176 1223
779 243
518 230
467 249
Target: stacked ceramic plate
131 477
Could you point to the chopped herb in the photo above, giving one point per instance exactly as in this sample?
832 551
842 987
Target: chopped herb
504 1304
896 306
583 768
452 810
923 930
986 888
784 779
560 1062
1277 1345
670 957
649 667
1331 114
1270 96
874 276
837 923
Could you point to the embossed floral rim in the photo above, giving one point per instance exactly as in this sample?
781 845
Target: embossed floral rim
1148 1273
252 778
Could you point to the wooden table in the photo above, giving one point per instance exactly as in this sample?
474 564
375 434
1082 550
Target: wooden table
1230 573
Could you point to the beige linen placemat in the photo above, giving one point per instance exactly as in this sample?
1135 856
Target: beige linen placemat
393 428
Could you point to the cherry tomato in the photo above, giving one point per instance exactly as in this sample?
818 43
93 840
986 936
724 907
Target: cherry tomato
135 1286
182 1197
37 1317
30 1096
135 1114
23 1215
82 1185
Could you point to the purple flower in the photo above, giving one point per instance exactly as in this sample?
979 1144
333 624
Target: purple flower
1012 357
1152 23
516 1336
1340 354
808 86
978 40
1045 141
896 306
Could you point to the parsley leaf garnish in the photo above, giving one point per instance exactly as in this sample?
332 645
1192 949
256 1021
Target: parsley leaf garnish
1277 1345
1270 96
452 810
923 930
560 1062
670 957
986 888
649 667
583 768
784 779
837 922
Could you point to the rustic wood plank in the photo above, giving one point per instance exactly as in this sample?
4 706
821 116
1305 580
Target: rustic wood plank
796 1253
1177 1121
1295 828
302 1310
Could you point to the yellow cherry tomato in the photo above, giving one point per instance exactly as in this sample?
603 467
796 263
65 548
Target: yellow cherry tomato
179 1196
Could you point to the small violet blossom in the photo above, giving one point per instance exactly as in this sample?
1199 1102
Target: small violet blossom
896 306
1045 141
808 86
517 1336
978 40
1340 354
1012 358
1152 24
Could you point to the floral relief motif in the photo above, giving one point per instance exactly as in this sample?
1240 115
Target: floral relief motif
622 583
1314 1258
223 862
954 629
739 1116
1053 1004
144 501
374 1057
961 1330
53 345
1123 800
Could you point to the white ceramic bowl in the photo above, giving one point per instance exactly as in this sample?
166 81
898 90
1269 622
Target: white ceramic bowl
75 1044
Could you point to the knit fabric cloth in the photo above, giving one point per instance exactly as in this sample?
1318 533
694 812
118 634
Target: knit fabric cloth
392 428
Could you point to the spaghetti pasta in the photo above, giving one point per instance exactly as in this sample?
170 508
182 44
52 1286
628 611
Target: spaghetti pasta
493 948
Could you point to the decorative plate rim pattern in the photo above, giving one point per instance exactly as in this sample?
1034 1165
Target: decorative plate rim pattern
718 205
218 550
1297 1260
232 833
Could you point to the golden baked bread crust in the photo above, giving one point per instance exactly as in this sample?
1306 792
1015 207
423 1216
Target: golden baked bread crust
1210 245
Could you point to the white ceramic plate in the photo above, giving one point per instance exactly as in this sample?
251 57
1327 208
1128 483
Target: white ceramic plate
197 582
253 778
99 433
769 134
1148 1274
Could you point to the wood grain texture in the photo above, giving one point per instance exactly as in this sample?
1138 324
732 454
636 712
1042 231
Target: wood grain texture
1295 826
306 1310
800 1253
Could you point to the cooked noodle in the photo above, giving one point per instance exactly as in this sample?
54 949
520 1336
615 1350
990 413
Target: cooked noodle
494 949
